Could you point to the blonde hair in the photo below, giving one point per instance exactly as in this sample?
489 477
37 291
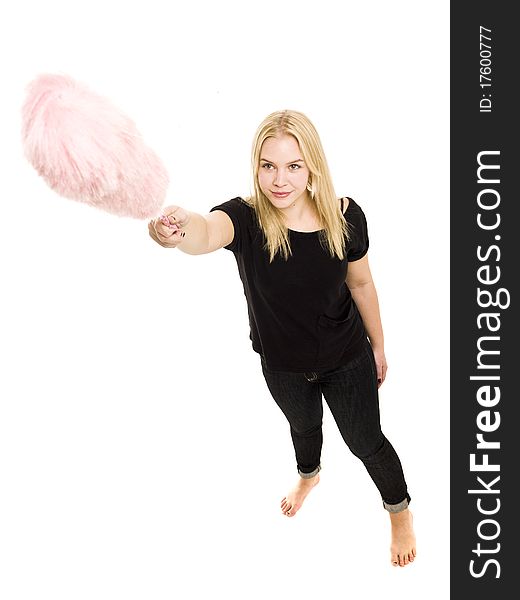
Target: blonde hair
334 227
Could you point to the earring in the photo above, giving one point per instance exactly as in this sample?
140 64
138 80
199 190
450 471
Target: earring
309 188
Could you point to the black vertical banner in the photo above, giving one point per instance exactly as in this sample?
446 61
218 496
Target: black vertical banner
485 269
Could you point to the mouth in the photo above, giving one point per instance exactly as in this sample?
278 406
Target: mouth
280 194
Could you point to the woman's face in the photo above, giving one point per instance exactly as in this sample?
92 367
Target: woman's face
282 173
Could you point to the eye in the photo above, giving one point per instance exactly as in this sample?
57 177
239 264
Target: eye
267 166
294 167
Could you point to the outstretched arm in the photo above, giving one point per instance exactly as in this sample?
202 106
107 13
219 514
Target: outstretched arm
359 281
192 232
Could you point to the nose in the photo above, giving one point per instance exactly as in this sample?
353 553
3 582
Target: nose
280 178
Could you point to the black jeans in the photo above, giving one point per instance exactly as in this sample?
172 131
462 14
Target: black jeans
352 396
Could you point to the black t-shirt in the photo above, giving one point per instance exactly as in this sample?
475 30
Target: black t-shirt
301 313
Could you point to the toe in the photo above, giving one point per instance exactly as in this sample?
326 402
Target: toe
395 560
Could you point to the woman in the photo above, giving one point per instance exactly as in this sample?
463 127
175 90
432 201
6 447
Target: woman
312 305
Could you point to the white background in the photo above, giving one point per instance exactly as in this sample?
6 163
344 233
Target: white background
141 455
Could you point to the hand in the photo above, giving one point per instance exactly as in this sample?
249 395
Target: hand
167 229
381 365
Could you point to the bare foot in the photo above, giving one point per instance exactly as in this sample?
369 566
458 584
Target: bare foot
294 499
402 549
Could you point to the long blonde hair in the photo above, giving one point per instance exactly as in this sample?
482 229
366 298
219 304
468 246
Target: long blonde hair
335 229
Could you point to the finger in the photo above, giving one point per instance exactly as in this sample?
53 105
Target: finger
165 221
151 231
169 221
171 211
166 232
382 374
169 240
177 220
174 239
163 226
177 216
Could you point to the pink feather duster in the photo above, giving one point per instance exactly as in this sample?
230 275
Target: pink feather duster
88 150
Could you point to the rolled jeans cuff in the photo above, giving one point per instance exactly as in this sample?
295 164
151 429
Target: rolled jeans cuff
311 474
395 508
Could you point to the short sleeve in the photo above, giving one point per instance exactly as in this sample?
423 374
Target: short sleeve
357 247
235 209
